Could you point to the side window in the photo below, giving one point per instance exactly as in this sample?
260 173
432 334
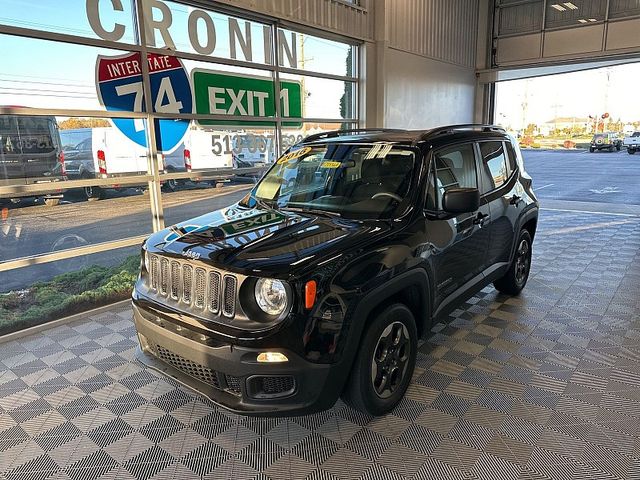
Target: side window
494 165
455 167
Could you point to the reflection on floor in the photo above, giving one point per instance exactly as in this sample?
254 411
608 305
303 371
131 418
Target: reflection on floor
546 385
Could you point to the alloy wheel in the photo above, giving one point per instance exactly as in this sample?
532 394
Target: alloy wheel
523 262
390 359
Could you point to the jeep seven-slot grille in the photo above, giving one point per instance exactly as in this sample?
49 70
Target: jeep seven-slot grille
198 287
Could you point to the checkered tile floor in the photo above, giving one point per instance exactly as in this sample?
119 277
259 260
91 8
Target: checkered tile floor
546 385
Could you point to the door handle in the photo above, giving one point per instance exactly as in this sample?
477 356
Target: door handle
515 200
480 218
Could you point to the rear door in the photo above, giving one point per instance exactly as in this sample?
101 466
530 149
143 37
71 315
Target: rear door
11 165
502 191
40 143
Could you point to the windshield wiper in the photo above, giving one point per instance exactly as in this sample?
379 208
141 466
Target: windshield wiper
261 203
313 210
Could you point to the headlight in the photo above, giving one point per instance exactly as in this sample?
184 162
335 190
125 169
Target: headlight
271 296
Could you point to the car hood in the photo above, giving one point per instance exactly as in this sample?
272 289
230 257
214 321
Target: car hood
265 241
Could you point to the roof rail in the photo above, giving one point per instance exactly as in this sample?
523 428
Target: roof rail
337 133
461 128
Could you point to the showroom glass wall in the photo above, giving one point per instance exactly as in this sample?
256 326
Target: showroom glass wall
98 148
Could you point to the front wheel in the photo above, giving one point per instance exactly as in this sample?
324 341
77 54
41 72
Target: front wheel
591 149
385 362
630 151
516 277
93 193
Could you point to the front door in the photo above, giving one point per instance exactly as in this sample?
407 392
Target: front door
457 245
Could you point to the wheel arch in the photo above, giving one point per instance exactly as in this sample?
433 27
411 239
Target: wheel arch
411 288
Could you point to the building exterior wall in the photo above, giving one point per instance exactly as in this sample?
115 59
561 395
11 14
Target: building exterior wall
426 52
424 93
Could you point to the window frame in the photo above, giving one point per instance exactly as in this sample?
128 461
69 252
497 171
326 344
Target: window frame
481 165
432 173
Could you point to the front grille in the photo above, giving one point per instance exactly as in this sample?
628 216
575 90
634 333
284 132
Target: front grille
234 384
200 372
199 288
229 296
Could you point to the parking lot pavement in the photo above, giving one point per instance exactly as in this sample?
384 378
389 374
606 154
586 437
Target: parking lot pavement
599 177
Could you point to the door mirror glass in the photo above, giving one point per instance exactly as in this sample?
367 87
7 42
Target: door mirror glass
461 200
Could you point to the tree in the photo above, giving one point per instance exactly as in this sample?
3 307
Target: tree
72 123
531 129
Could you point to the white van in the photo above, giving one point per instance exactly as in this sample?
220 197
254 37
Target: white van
102 152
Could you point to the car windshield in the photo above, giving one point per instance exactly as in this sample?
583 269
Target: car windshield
350 180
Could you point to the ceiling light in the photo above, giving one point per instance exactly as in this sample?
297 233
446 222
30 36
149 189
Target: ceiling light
570 6
582 20
558 7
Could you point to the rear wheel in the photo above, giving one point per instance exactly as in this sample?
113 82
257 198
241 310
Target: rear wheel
591 149
516 277
631 151
385 362
618 147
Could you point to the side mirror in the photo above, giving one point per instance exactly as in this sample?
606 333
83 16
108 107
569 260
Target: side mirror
461 200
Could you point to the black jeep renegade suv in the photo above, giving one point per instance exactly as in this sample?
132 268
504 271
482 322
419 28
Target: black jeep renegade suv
321 280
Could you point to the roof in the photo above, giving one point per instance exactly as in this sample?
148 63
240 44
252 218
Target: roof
412 137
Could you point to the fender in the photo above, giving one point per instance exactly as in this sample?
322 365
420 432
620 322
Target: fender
524 218
417 276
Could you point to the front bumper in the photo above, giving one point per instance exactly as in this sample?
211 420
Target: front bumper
230 376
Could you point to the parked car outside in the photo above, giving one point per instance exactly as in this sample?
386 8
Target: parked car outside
31 153
605 141
632 142
320 281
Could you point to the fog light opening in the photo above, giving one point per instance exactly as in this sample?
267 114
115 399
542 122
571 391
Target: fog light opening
272 357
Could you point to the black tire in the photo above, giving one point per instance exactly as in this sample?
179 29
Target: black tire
52 202
618 148
516 277
612 148
630 151
169 186
93 193
591 149
390 342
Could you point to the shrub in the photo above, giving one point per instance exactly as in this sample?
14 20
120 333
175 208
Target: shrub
66 294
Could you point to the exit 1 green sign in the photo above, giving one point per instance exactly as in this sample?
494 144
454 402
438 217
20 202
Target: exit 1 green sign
236 95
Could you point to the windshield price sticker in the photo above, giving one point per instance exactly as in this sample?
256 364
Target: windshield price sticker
294 155
330 164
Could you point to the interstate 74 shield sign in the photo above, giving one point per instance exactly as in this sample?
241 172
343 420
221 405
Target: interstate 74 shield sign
119 83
